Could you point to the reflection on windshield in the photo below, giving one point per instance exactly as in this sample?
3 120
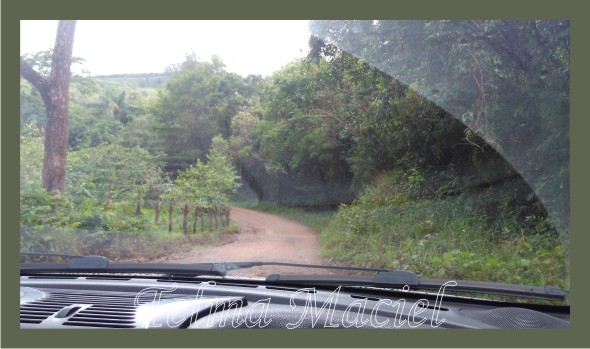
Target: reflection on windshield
440 147
508 81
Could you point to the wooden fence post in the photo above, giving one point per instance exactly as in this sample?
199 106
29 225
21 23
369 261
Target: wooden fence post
210 218
138 207
170 216
185 218
157 208
202 219
195 219
215 214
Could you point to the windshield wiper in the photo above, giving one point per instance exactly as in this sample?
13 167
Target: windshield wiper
385 278
398 279
100 264
97 264
244 265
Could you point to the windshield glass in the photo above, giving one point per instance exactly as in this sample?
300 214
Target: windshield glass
438 147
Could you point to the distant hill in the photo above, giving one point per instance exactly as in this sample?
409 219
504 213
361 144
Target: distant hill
142 80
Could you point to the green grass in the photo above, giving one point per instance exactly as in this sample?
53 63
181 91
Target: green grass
438 239
113 245
54 224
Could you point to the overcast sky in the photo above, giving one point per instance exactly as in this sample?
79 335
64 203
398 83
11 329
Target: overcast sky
114 47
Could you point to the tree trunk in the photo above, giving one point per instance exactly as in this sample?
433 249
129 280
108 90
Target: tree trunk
202 219
170 216
253 181
216 214
56 146
195 219
209 213
222 216
55 92
185 218
138 206
157 208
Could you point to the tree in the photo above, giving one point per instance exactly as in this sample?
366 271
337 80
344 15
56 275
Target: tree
241 146
54 90
206 185
199 101
301 136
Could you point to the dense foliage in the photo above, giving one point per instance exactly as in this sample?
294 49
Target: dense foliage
507 81
117 183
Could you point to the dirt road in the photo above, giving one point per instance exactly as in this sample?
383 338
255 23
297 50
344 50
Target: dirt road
262 237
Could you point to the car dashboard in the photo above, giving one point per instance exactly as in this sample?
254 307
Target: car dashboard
99 301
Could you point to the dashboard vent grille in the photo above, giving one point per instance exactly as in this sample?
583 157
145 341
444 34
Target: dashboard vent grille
103 309
36 312
110 311
104 316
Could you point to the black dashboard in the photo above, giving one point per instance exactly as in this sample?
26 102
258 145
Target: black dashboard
76 301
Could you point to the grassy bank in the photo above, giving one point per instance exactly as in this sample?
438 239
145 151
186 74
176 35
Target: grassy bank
441 246
454 237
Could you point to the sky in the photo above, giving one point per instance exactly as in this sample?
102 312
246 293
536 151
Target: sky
140 46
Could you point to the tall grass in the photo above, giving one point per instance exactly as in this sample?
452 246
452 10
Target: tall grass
444 238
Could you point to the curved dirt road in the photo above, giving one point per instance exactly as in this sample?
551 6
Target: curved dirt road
262 237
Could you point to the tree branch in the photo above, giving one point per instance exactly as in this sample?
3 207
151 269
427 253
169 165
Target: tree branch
36 79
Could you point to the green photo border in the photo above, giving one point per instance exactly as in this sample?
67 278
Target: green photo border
14 10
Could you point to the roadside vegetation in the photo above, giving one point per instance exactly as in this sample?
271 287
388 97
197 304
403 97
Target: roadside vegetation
436 237
448 237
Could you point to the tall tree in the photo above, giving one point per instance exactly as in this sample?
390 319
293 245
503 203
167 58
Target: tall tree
199 101
54 90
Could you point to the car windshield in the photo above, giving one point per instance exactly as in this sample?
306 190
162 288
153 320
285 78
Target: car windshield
437 147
